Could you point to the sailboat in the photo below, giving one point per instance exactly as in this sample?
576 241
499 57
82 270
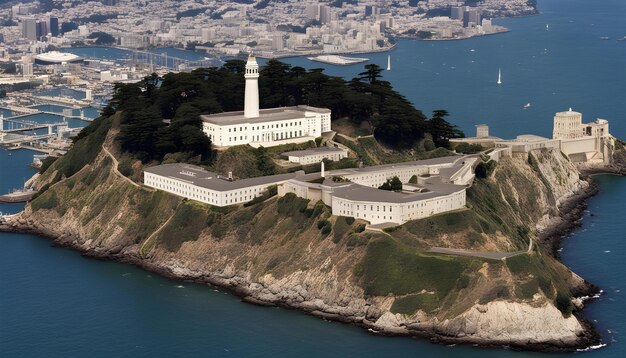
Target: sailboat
526 106
499 77
547 27
388 62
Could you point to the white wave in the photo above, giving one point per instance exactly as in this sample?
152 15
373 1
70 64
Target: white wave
607 251
373 331
591 348
180 286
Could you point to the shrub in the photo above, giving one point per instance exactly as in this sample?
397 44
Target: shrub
563 303
429 145
413 180
290 204
321 223
46 163
484 170
359 229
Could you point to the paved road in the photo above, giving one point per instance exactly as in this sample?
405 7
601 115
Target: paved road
481 254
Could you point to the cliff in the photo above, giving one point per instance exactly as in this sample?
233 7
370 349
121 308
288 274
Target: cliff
293 253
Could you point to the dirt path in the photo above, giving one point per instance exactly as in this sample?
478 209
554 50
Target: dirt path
117 172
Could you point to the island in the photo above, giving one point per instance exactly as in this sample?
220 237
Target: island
417 231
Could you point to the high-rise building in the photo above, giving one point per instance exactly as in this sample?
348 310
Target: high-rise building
53 26
313 12
42 29
370 10
472 15
456 12
29 29
325 14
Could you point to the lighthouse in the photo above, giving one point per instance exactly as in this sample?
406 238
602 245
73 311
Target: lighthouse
251 103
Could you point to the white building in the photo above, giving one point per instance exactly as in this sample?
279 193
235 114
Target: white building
440 186
316 155
583 142
193 182
264 127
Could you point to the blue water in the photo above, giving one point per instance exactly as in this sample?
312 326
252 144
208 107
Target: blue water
53 302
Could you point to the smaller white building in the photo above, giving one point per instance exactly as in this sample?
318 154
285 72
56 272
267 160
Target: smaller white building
316 155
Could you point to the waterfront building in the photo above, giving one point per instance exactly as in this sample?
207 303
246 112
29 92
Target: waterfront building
264 127
582 142
57 58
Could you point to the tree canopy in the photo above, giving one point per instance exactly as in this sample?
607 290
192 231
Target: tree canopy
182 97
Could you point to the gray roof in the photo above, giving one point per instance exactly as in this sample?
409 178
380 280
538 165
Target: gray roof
203 178
265 115
358 192
312 151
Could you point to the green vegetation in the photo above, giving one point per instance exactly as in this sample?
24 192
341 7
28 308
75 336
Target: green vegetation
485 169
46 163
186 225
341 228
542 273
393 184
47 200
270 192
413 179
291 204
467 148
392 268
102 38
410 303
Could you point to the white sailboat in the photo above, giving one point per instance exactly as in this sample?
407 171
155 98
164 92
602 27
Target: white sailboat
388 62
499 77
547 27
526 106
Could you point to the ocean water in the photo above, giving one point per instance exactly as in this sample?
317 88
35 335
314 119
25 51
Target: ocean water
54 302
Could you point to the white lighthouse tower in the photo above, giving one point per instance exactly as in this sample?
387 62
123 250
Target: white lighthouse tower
251 103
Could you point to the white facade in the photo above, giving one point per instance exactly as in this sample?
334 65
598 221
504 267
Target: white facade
273 127
195 183
440 188
264 127
316 155
377 212
251 100
583 142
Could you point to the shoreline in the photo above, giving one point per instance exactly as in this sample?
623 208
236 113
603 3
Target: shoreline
570 213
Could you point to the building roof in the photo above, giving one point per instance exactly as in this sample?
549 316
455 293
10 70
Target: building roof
265 115
203 178
57 57
312 151
358 192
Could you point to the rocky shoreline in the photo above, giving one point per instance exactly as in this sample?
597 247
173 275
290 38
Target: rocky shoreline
571 211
